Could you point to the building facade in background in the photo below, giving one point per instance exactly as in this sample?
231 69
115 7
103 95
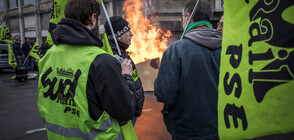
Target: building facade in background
30 18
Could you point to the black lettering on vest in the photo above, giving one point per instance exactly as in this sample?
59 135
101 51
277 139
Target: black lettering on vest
229 87
78 113
235 51
71 101
64 99
72 89
51 84
67 109
72 111
236 113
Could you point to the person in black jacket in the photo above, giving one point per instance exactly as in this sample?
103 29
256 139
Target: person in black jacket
107 88
17 50
26 48
44 48
124 36
187 81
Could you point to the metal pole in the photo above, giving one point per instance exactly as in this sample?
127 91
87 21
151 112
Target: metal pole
25 60
37 22
192 15
110 26
20 18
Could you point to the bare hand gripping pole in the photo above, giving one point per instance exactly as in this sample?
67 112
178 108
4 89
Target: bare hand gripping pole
192 15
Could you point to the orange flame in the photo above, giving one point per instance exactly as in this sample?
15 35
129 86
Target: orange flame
148 41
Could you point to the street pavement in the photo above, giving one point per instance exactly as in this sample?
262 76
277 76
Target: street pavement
20 119
150 125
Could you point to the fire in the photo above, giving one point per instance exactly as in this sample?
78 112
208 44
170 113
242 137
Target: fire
148 41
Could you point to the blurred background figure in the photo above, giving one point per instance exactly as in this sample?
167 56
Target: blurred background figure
44 48
17 50
26 47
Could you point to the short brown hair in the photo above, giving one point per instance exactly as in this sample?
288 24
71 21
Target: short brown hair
81 10
203 11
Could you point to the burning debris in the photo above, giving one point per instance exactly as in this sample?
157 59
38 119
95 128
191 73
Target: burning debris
149 41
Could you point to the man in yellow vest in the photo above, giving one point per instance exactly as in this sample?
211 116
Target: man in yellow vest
83 91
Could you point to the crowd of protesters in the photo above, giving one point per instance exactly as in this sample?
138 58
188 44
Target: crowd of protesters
105 95
22 53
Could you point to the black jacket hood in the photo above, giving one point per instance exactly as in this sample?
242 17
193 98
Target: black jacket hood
205 36
70 31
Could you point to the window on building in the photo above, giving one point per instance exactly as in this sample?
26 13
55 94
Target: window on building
2 5
45 18
26 2
30 22
12 4
13 24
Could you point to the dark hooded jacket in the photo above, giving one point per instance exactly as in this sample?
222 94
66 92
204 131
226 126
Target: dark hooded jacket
187 84
26 47
107 89
17 50
138 85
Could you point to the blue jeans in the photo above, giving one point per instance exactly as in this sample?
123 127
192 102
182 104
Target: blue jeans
18 62
30 63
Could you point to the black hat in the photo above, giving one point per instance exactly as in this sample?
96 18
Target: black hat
119 25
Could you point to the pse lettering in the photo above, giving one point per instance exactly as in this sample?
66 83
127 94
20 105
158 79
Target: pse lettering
67 99
268 26
232 109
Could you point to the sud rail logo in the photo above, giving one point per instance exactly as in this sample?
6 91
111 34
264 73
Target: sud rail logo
65 72
275 26
62 90
267 52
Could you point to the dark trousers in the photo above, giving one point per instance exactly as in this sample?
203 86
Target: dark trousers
18 61
30 63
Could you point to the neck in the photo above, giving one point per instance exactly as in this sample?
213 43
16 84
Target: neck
199 24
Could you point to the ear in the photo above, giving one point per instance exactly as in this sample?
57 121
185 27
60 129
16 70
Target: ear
187 16
119 38
94 19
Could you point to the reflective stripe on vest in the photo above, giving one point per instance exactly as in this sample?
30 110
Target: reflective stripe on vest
76 132
62 99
